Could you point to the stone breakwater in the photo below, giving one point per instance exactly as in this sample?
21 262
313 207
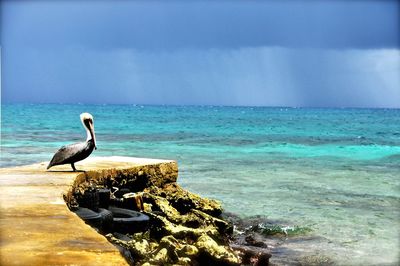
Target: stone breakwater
183 228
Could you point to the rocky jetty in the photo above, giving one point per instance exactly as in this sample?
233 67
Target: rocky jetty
183 228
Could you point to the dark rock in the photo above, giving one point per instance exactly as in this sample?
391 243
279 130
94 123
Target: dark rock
253 242
183 228
253 255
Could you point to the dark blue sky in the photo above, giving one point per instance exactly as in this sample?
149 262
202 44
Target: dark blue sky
286 53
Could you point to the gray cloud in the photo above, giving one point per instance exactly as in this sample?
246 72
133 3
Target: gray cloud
248 76
170 25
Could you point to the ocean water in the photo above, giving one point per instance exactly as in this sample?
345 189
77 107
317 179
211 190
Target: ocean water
334 171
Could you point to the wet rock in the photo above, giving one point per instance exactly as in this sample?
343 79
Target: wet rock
223 226
212 253
161 257
180 231
189 251
252 255
142 246
251 240
184 229
181 199
184 261
171 244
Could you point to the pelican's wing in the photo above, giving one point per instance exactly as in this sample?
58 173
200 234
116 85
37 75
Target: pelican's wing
66 153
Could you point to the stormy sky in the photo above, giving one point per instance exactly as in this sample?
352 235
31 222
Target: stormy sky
263 53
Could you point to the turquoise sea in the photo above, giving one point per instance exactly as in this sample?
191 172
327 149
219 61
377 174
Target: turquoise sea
334 171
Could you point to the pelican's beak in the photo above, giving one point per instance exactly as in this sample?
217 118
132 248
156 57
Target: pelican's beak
91 129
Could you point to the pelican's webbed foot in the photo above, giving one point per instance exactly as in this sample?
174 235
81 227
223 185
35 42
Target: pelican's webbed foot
73 167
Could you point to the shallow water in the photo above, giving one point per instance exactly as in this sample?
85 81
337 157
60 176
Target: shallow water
336 171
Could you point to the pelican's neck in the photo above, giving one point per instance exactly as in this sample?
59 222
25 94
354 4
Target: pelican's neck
89 136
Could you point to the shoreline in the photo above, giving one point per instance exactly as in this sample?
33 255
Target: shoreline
35 190
310 247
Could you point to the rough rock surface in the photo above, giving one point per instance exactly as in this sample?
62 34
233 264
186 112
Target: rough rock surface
185 229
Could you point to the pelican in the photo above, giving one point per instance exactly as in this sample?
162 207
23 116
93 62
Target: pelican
76 152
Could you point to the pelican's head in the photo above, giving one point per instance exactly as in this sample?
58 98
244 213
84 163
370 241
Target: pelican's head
87 121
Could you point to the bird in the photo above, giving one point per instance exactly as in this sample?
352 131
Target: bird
73 153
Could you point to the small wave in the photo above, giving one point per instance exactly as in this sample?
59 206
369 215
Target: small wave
274 229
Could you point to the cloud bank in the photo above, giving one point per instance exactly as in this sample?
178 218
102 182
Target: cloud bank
259 76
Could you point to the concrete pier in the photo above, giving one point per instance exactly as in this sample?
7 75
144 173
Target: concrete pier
37 228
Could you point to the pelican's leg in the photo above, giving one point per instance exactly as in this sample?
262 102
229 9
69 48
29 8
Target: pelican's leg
73 167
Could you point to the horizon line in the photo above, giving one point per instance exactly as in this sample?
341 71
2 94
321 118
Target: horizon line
198 105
